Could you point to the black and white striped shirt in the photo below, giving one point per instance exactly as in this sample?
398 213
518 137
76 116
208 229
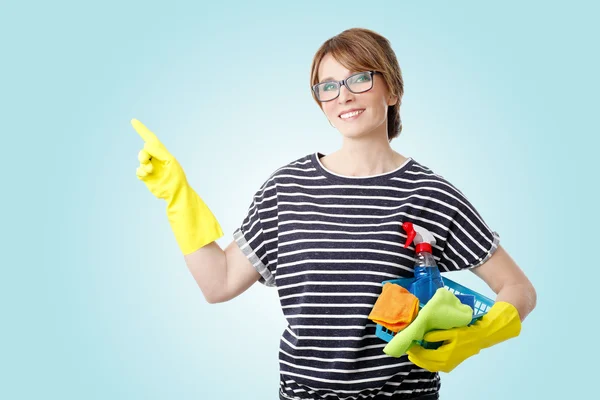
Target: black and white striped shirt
326 242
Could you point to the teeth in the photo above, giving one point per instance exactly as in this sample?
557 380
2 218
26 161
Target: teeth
351 114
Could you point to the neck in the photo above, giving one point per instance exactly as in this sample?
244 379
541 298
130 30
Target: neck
364 156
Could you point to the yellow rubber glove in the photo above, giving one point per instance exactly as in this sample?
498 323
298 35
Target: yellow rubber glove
192 222
501 323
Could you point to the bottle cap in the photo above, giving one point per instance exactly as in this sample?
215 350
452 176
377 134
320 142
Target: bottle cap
423 247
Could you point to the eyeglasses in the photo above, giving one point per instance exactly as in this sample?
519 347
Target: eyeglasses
357 83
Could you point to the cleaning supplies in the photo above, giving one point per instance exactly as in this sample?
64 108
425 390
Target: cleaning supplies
193 224
427 275
395 308
501 323
443 311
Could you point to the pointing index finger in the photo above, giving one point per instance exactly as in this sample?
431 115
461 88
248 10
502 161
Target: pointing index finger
144 132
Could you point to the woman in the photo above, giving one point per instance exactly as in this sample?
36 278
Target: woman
325 230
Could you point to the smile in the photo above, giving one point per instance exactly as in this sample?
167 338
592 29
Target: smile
351 115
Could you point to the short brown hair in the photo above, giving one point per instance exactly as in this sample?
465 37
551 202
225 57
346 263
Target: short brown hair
360 49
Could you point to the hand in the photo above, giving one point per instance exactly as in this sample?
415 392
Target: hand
193 224
501 323
158 169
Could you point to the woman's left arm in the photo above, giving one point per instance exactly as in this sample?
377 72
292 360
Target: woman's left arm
508 281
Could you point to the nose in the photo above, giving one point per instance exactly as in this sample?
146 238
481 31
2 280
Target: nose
345 95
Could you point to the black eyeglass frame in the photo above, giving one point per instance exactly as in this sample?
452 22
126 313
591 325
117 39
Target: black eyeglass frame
345 83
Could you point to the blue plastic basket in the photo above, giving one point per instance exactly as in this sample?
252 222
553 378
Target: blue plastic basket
480 306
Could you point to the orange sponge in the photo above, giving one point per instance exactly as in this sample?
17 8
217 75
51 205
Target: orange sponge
395 308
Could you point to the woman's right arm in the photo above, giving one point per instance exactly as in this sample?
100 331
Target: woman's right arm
221 275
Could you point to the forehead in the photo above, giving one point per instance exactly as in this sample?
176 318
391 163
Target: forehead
330 68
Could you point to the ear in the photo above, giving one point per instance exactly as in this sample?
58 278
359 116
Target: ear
392 100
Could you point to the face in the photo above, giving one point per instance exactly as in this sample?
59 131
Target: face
372 105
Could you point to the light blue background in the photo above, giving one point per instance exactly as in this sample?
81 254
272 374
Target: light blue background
97 303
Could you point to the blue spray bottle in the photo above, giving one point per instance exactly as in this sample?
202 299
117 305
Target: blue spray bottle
427 275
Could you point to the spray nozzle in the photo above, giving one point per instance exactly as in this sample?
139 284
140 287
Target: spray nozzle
418 234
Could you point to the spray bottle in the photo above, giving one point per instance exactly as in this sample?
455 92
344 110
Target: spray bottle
427 275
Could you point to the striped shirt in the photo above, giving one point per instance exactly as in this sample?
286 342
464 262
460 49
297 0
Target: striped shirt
327 242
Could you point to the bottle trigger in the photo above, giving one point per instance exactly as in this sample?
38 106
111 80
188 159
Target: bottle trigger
410 233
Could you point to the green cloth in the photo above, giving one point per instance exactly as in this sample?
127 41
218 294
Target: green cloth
443 311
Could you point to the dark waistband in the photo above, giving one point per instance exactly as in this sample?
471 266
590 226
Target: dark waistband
429 396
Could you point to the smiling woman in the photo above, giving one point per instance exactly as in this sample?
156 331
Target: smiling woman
368 54
326 231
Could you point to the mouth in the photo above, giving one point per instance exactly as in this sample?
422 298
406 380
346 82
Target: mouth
351 114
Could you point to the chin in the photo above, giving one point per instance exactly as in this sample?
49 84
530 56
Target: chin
355 131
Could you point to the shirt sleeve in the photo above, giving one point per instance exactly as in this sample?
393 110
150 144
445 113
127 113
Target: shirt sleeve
469 242
256 237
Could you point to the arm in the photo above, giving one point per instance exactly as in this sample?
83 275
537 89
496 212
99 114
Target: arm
515 299
221 275
508 281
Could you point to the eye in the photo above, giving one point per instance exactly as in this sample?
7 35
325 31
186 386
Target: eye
363 78
329 86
